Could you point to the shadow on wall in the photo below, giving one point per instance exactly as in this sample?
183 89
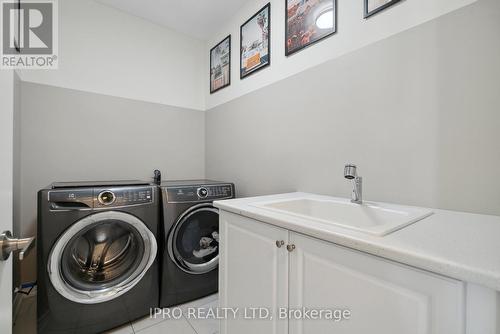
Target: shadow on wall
416 112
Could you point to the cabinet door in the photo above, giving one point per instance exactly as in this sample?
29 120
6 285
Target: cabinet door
383 297
253 273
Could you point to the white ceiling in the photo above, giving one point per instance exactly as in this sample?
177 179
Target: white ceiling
197 18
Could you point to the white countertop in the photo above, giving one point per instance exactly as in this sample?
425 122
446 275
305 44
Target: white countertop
460 245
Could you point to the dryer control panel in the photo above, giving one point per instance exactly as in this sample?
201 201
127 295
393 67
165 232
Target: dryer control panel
199 193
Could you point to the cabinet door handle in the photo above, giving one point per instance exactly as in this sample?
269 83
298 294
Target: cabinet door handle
290 248
279 243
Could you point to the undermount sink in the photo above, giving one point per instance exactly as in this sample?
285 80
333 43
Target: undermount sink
374 218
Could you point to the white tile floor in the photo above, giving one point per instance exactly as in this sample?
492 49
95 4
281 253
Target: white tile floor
26 321
183 325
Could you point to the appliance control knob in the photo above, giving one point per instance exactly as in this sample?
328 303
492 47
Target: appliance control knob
106 197
202 192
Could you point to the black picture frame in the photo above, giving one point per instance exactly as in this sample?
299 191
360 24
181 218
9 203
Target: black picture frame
228 38
367 13
267 8
289 52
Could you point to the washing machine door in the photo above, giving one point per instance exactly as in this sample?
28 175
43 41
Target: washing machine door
193 242
101 257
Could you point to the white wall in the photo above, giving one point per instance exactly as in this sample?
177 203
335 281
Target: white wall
104 50
417 112
107 51
6 176
353 33
16 229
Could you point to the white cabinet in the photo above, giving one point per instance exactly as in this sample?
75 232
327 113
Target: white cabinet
383 297
253 273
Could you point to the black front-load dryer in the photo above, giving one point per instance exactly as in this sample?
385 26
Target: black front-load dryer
190 245
97 250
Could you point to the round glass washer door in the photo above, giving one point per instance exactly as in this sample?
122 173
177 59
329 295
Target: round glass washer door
101 257
193 242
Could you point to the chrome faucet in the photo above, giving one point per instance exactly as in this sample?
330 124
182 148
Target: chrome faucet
357 183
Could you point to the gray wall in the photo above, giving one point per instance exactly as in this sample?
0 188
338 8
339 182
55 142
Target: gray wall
72 135
418 112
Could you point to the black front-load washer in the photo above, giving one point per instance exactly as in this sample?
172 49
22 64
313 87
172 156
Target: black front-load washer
190 245
97 255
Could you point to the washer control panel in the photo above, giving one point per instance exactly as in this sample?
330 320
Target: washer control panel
200 193
114 197
88 198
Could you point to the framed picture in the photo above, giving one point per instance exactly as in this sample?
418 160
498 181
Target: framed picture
374 6
220 65
255 46
308 22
